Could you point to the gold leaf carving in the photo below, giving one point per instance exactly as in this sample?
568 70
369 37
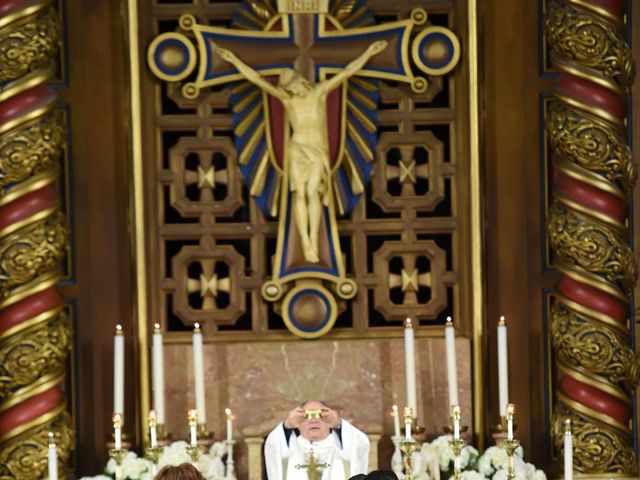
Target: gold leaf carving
29 45
593 348
30 150
590 144
262 9
576 35
34 250
343 8
591 245
597 447
32 354
25 456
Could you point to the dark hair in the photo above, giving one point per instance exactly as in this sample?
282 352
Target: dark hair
186 471
381 475
360 476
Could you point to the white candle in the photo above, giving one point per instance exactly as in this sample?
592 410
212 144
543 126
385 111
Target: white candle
396 421
510 411
118 371
408 418
158 374
193 421
153 429
229 424
198 374
456 421
117 431
452 371
410 365
568 450
503 367
52 458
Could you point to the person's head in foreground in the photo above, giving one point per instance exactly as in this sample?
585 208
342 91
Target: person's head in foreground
381 475
186 471
360 476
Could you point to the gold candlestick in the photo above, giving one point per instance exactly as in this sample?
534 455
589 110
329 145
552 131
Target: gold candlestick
118 454
194 452
510 444
457 444
193 449
408 446
153 451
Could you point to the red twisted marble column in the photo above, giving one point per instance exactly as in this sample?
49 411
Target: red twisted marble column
592 175
34 329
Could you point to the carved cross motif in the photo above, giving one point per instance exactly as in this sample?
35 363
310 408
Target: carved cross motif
304 120
314 469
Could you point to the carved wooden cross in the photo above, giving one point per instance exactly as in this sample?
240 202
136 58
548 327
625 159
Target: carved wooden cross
316 45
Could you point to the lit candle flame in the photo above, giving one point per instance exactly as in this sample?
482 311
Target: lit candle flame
408 323
192 413
394 410
502 320
118 329
567 426
227 411
117 419
449 322
455 411
51 437
511 409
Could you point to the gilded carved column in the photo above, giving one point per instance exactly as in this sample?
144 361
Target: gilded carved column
35 334
593 176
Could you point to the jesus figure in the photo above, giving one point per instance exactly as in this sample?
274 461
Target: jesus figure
308 146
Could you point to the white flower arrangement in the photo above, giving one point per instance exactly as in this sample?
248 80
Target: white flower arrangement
492 464
210 464
468 456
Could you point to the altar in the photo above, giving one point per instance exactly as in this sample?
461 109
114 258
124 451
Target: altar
418 213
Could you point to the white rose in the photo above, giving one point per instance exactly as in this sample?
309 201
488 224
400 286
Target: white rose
218 449
211 468
484 466
175 454
472 475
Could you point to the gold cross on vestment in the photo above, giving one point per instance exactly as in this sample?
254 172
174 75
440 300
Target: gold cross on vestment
314 469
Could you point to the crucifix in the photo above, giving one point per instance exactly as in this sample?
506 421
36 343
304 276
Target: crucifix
314 469
305 165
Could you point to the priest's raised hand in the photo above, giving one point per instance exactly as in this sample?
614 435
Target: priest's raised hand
314 443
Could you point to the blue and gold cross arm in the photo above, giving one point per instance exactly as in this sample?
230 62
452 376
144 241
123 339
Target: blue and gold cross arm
313 45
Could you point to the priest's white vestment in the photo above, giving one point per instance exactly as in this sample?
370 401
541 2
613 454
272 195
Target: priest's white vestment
346 455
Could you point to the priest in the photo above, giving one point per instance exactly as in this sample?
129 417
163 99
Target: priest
314 443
